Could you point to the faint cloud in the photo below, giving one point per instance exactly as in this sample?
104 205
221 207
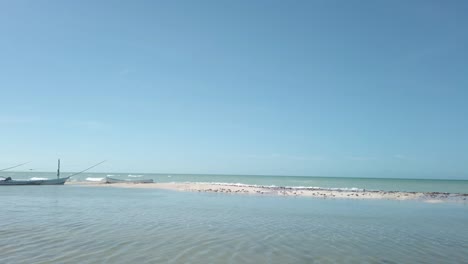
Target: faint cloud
16 120
361 158
287 157
305 158
90 124
400 157
125 71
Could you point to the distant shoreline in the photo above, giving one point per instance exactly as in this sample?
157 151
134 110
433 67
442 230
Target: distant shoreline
429 197
246 175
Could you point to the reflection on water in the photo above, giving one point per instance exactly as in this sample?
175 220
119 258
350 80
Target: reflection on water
74 224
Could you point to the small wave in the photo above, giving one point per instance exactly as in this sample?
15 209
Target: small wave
314 188
245 185
238 184
38 179
135 176
353 189
94 179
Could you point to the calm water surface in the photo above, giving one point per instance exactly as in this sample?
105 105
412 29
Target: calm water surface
75 224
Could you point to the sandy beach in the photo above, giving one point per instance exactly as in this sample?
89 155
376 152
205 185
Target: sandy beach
430 197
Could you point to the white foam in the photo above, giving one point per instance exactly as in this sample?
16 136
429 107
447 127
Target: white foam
238 184
353 189
94 179
135 176
38 179
345 189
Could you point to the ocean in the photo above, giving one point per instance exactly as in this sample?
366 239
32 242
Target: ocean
83 224
345 183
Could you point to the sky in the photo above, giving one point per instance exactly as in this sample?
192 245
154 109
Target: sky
314 88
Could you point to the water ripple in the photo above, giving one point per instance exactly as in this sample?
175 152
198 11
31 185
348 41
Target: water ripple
87 225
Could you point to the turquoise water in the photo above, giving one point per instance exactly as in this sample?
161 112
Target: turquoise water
77 224
415 185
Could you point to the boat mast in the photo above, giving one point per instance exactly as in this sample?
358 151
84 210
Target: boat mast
58 169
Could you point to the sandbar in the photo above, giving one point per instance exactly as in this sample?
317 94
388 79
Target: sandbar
227 188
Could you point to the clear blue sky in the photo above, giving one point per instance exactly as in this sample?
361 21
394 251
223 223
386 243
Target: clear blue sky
332 88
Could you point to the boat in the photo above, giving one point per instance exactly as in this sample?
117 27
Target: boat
113 180
9 181
58 181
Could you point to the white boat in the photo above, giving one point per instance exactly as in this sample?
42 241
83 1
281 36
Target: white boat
113 180
9 181
58 181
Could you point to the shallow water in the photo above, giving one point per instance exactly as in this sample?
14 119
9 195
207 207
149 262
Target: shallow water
76 224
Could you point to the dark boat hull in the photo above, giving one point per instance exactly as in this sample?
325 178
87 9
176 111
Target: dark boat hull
13 182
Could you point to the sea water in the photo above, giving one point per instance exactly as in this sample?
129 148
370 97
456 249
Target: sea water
344 183
82 224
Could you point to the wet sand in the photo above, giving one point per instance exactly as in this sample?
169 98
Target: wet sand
430 197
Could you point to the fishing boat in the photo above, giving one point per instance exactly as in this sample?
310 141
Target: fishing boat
113 180
58 181
9 181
